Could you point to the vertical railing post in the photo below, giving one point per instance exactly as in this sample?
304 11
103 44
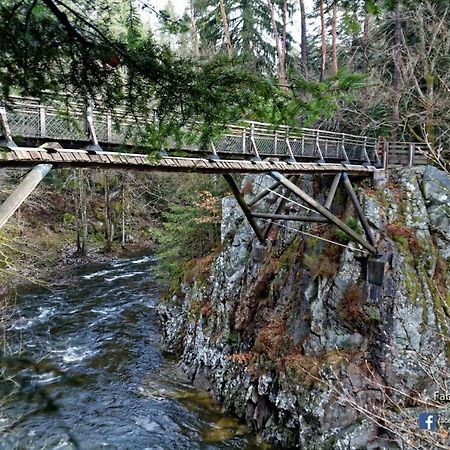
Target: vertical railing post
411 154
5 130
288 145
244 141
253 142
42 122
385 154
343 149
366 155
275 144
303 144
318 147
108 127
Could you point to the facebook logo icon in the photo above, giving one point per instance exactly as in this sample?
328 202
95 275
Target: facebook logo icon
427 421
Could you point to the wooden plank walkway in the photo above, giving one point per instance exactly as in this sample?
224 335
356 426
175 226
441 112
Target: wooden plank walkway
29 157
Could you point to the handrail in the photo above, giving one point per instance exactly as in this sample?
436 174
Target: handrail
31 119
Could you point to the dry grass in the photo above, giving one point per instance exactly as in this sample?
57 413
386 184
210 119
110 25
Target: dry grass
350 307
272 339
405 236
325 264
242 358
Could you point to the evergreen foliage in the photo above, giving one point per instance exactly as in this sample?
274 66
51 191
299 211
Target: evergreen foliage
190 227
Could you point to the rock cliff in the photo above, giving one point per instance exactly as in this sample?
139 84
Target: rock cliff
299 345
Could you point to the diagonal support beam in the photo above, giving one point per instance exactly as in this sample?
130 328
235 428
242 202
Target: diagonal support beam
94 147
362 217
290 217
280 207
245 209
333 189
5 130
323 211
22 191
264 193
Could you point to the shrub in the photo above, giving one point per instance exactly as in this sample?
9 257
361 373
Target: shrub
272 339
190 231
353 223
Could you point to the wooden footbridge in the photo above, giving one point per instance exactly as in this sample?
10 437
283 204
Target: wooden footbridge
42 137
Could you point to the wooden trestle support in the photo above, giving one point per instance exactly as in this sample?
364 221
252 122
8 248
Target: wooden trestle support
376 262
290 186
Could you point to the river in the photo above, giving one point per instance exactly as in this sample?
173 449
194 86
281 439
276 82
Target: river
98 378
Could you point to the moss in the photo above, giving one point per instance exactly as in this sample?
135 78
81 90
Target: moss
233 338
372 314
287 258
401 241
329 443
411 282
353 223
194 310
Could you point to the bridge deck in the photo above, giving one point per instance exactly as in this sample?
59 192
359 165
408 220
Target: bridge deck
31 124
29 157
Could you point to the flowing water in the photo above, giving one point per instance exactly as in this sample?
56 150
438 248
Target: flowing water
91 374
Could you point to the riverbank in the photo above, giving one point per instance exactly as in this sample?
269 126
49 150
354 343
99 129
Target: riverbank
93 349
41 242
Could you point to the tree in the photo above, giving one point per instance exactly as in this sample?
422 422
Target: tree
397 58
226 31
323 40
304 41
190 228
334 39
194 29
249 24
280 46
82 221
60 46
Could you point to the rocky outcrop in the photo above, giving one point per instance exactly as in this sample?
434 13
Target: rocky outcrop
302 347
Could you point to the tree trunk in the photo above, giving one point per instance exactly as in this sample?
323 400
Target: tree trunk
284 40
194 30
123 207
397 56
281 73
334 39
109 223
323 66
365 66
82 224
226 31
304 43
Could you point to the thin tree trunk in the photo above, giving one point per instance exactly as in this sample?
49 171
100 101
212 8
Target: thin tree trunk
334 39
304 43
397 56
123 206
194 30
366 41
226 31
82 224
281 73
323 66
284 41
109 225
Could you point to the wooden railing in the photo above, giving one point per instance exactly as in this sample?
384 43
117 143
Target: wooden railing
404 154
28 119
